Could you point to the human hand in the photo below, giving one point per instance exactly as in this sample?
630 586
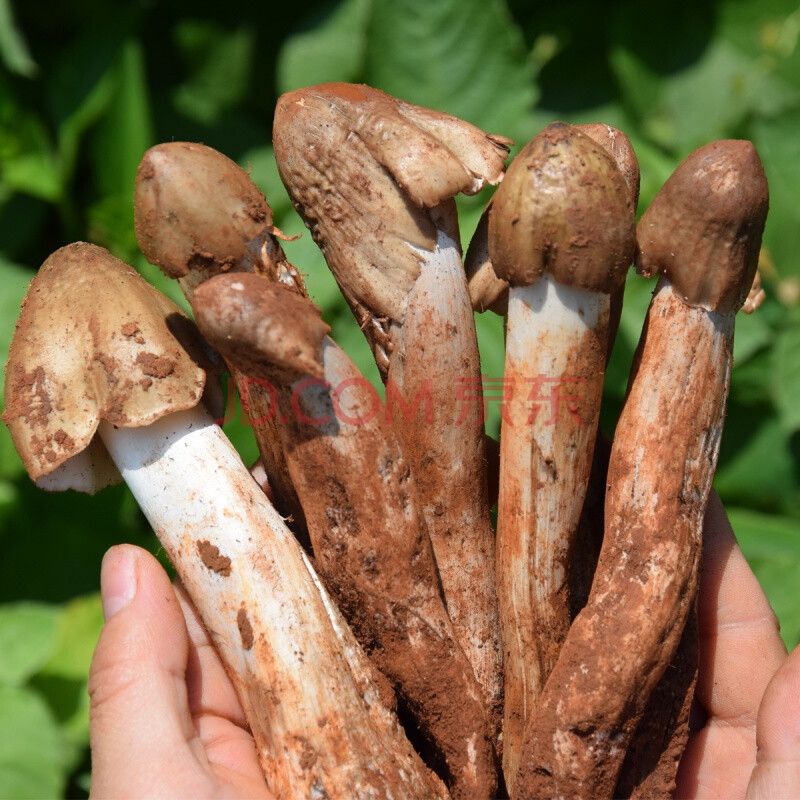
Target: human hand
165 720
747 688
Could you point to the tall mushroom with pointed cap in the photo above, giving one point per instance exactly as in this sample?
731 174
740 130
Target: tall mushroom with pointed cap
179 201
373 177
702 233
95 353
561 232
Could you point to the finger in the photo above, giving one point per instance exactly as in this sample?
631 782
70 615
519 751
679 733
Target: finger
740 643
142 735
215 708
777 772
740 649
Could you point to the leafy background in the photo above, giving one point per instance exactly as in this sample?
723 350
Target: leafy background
87 86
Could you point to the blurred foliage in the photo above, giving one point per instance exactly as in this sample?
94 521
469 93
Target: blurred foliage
86 87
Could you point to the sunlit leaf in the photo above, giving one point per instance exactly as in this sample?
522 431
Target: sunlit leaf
13 47
330 45
771 545
787 377
62 679
14 281
779 147
28 637
465 57
757 467
32 752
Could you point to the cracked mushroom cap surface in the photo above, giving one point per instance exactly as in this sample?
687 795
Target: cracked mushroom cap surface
703 229
94 341
364 169
260 326
564 208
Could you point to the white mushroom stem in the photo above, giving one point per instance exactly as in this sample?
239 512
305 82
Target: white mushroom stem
662 463
555 357
320 728
435 354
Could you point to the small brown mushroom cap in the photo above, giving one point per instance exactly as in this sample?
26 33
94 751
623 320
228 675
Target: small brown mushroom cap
703 229
363 168
94 341
198 214
182 191
563 208
260 326
486 289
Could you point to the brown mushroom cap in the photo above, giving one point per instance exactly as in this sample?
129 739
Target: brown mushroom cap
564 208
260 326
619 147
198 214
363 168
182 192
94 341
703 229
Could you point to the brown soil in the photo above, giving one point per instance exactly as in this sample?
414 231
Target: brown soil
213 559
155 366
245 628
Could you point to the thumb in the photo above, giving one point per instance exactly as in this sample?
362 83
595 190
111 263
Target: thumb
777 772
142 735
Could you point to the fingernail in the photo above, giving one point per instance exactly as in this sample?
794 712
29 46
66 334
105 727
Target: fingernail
117 580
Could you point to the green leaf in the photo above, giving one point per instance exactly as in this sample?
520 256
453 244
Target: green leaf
692 88
13 47
62 680
753 333
757 467
771 545
491 342
83 82
125 130
79 627
778 145
219 62
768 31
787 377
27 158
28 636
466 57
329 46
14 281
32 753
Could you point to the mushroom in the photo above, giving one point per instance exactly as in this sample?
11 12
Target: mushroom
561 232
370 542
702 233
373 178
179 201
95 352
488 291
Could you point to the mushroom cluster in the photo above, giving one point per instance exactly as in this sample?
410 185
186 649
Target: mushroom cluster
371 586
